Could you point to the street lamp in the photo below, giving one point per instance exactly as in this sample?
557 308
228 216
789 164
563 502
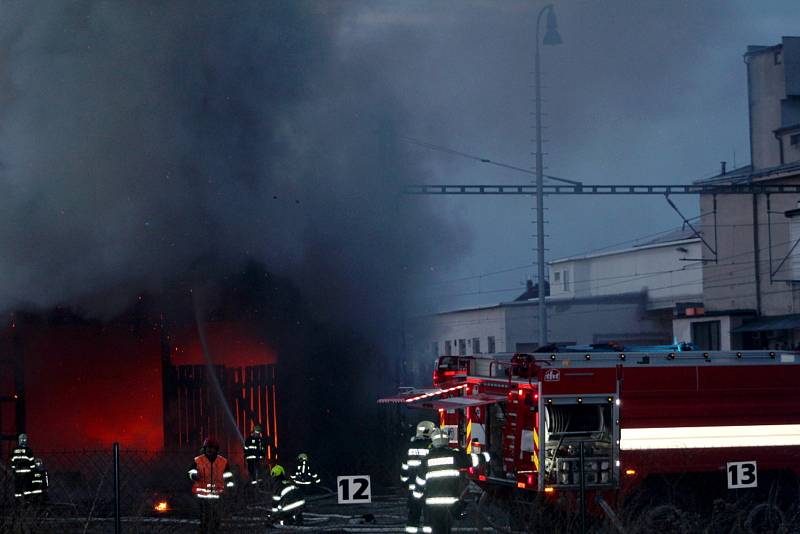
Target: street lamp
551 38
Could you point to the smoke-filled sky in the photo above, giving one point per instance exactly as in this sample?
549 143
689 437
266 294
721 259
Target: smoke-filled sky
640 91
137 138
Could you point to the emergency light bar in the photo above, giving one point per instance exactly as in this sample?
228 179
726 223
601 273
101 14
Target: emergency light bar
435 393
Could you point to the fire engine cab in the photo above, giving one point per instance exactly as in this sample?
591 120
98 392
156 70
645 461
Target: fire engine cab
733 417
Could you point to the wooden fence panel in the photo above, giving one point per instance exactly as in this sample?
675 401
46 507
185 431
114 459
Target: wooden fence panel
248 391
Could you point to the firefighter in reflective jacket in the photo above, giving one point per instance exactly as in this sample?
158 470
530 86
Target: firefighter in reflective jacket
303 474
39 481
22 464
211 477
287 501
255 454
441 484
418 448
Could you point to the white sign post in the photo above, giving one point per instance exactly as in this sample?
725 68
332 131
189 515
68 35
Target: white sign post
742 475
354 489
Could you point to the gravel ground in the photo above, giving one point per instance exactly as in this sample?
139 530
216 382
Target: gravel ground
386 513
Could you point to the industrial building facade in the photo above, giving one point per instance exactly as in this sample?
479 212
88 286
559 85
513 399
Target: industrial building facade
732 285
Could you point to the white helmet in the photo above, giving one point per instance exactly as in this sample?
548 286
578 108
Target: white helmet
23 440
425 428
439 438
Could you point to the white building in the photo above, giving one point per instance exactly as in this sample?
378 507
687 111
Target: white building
668 269
628 296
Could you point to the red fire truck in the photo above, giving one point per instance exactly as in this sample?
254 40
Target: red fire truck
731 418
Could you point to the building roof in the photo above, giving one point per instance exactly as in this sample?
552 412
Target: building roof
670 238
635 297
745 175
752 50
788 128
778 322
532 291
680 234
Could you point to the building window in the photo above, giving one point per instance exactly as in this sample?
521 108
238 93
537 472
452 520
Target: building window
490 345
435 349
557 276
448 348
462 347
476 345
794 139
706 335
565 284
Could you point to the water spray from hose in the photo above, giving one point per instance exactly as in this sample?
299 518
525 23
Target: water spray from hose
201 332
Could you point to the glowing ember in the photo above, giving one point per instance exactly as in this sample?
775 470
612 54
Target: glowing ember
161 506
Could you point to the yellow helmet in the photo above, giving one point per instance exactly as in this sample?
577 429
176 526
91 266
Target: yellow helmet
277 471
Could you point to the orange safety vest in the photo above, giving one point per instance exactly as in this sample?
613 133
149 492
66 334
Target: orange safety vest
210 483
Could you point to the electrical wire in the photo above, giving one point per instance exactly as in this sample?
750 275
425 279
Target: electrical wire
578 255
638 276
480 159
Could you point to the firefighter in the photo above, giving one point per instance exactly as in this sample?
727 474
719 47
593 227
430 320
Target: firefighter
40 482
303 475
211 477
418 448
22 465
255 454
287 501
440 480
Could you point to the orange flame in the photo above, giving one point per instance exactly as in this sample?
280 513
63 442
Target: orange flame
161 506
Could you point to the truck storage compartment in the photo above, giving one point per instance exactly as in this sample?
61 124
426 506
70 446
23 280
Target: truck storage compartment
566 427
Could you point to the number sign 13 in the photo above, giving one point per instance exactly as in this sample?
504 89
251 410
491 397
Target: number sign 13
742 475
354 489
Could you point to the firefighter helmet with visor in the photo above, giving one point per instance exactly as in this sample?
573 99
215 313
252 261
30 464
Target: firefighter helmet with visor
440 438
425 428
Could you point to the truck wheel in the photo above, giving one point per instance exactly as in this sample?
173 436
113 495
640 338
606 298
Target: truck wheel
765 518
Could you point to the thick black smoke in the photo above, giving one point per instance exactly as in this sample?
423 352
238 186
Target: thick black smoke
139 140
137 137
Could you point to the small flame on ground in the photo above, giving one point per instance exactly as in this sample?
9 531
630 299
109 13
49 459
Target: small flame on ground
161 506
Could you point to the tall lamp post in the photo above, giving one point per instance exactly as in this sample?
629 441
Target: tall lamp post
551 38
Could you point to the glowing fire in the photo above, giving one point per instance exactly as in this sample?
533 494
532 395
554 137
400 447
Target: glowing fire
161 506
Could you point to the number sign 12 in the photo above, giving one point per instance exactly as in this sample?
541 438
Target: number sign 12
354 489
742 475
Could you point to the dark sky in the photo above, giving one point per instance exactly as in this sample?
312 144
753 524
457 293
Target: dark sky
139 137
640 91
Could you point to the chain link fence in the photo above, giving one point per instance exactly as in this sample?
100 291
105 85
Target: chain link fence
155 495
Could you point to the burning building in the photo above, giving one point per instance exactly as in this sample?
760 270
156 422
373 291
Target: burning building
76 384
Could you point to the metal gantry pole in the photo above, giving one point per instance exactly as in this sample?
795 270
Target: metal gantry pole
539 195
582 468
117 525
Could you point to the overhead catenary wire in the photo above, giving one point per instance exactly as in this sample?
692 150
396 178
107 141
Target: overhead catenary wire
688 267
480 159
578 255
727 277
600 306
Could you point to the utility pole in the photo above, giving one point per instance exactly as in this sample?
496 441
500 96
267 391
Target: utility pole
551 37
